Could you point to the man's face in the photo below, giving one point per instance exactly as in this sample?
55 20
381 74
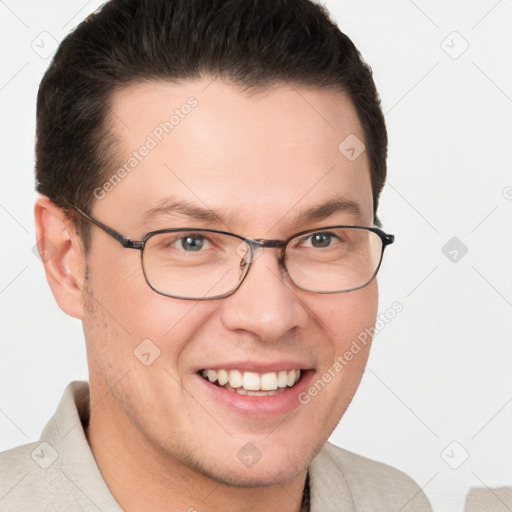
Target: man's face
258 162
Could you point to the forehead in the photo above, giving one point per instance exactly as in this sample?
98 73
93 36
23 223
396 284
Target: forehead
265 156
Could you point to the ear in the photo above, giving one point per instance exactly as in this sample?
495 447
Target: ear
61 252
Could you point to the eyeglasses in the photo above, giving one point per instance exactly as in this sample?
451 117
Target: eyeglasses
201 264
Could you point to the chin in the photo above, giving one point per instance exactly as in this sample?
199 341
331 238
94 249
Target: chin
256 473
252 477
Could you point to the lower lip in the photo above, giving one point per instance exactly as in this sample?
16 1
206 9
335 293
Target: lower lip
261 406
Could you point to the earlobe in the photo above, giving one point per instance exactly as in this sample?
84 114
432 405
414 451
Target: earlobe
60 250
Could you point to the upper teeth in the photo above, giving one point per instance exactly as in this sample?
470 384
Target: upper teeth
252 381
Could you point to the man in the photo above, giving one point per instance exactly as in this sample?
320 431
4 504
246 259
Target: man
209 175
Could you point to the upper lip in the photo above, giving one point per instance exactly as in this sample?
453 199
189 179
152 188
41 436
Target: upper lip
252 366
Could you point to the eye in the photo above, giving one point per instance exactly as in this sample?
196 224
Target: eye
192 242
189 242
320 239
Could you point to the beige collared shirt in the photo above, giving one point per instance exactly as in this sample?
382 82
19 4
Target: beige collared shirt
59 473
489 500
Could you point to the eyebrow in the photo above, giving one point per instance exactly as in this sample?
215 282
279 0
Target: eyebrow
172 206
337 205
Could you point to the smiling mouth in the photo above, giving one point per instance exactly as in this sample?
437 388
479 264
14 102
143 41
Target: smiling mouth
251 383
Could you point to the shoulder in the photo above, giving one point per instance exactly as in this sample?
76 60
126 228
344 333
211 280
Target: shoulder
58 472
370 485
362 471
16 462
17 467
489 500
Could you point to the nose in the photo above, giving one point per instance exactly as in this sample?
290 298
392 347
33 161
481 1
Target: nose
265 304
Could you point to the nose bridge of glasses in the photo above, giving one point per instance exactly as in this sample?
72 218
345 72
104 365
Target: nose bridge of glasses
258 244
262 242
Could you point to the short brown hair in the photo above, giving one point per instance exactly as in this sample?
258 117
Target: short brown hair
252 43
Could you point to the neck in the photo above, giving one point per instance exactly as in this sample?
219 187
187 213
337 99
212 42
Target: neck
141 478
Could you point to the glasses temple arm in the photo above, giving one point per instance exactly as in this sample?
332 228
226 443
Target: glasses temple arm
123 240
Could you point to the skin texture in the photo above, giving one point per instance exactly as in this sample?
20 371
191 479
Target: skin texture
258 161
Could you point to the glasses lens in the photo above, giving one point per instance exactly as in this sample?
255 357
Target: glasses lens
195 264
334 260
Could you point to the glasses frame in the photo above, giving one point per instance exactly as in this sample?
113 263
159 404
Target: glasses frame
253 243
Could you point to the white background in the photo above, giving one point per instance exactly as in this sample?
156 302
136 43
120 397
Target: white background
441 370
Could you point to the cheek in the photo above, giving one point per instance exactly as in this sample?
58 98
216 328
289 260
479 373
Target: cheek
344 316
342 355
126 311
